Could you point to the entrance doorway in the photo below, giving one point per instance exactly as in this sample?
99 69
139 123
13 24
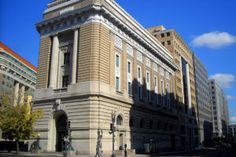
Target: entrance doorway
121 141
61 131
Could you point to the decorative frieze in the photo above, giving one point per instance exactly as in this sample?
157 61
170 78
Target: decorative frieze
162 73
129 50
155 68
118 42
139 56
148 62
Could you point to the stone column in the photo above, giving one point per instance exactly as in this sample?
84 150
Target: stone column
16 93
54 63
22 94
74 57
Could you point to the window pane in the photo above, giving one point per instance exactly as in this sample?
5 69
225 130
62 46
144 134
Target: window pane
129 88
139 72
117 83
148 77
65 81
117 60
128 67
66 58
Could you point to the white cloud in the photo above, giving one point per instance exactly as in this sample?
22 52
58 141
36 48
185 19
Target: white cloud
230 97
224 80
214 40
233 119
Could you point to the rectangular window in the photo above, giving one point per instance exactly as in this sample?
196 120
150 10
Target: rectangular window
129 88
148 86
156 89
117 61
65 81
168 34
139 73
148 77
162 92
168 42
117 71
66 58
129 77
117 84
129 67
168 94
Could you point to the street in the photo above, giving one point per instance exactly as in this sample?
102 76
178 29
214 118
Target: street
210 152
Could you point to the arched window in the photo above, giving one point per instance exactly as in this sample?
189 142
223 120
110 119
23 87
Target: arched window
119 120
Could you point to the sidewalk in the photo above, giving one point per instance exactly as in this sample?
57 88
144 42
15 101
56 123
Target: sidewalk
27 154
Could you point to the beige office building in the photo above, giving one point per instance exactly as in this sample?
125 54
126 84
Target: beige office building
96 61
184 83
17 78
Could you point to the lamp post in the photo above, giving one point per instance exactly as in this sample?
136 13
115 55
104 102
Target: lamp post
112 131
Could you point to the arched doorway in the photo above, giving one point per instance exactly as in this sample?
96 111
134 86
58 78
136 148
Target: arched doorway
61 130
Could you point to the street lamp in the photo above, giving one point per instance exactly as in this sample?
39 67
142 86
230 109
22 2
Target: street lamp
112 131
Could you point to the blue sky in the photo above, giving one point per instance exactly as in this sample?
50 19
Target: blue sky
208 26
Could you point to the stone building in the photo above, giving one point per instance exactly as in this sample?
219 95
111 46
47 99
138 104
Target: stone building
219 109
184 83
204 105
17 76
96 61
